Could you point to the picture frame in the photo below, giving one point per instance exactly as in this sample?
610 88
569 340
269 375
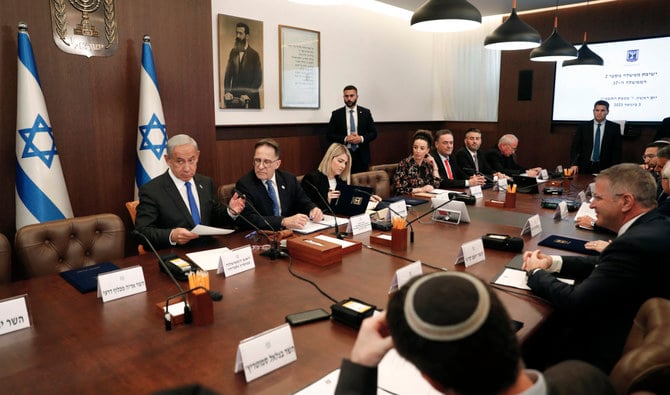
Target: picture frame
299 68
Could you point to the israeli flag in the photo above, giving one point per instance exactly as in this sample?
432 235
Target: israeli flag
41 193
152 134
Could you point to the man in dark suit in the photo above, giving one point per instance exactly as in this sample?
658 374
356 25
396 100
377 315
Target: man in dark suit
451 174
453 328
179 199
244 75
501 158
353 126
596 314
277 197
471 160
587 157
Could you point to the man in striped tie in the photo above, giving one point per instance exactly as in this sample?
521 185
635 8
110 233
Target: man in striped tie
172 204
275 199
452 176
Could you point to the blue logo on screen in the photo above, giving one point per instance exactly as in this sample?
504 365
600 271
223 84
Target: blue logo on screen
632 55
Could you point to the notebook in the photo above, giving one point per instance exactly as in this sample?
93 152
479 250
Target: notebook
526 184
353 200
85 279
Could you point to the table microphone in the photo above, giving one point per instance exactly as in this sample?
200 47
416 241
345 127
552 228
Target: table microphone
135 232
187 309
411 229
337 228
215 296
432 210
274 252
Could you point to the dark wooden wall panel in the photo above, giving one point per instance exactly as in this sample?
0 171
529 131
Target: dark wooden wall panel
93 102
542 142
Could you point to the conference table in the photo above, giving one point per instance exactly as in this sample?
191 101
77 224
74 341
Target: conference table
78 344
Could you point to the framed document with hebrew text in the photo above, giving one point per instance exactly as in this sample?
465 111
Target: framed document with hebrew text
299 68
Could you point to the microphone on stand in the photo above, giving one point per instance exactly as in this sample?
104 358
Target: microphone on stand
411 229
337 228
274 252
215 296
187 309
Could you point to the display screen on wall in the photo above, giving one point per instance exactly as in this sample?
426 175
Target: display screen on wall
635 81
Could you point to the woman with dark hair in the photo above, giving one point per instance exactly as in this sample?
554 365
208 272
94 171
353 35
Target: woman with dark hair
418 172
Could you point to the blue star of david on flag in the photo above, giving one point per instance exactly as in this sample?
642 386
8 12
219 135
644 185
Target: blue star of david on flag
145 132
32 148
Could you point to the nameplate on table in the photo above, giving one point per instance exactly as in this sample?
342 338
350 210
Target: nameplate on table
501 184
471 252
404 274
533 225
265 352
14 314
121 283
359 224
476 191
561 211
236 261
544 174
398 209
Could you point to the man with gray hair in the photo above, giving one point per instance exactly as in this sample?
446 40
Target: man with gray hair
502 158
596 314
457 333
176 201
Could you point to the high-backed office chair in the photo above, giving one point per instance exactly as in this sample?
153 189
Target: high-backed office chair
132 210
5 260
645 364
389 168
378 180
57 246
226 192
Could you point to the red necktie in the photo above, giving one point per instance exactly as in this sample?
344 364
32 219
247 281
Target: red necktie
446 166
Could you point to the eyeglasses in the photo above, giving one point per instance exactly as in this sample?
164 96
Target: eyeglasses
264 162
648 156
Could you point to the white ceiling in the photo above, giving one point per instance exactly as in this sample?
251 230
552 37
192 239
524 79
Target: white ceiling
490 7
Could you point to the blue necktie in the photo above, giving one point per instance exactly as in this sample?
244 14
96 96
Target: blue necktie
191 202
273 197
596 145
352 129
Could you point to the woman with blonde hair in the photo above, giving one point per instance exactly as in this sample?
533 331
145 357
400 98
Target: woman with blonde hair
333 171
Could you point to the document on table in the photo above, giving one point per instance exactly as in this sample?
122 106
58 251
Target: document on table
327 222
208 259
204 230
395 376
519 279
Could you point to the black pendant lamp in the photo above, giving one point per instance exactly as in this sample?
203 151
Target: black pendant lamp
554 48
514 34
585 56
446 16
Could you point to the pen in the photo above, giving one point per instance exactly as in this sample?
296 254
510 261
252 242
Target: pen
313 242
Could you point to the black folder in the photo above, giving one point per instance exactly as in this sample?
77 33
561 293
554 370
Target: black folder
85 279
568 244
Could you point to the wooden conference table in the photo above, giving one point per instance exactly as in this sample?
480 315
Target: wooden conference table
77 344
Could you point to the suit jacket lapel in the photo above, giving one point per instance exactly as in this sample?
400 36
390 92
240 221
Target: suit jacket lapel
203 198
173 193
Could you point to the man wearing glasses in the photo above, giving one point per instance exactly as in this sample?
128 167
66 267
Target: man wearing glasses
595 314
276 195
175 202
502 158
